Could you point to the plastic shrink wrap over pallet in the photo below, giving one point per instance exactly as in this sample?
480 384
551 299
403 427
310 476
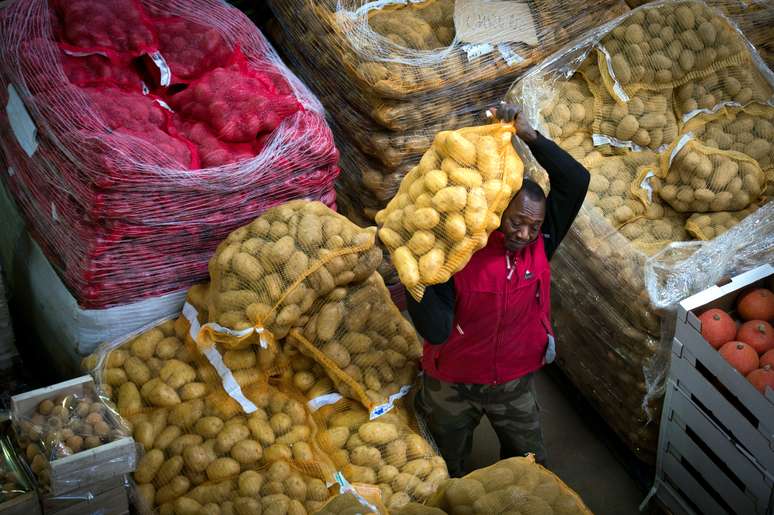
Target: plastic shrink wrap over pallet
281 376
392 74
138 134
679 144
7 346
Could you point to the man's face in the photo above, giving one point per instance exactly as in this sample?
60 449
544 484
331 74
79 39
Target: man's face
521 221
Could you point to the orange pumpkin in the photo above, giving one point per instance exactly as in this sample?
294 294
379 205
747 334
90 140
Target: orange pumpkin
740 356
767 359
758 334
717 327
761 378
756 304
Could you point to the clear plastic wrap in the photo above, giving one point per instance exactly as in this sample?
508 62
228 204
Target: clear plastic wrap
13 478
53 426
392 74
7 347
612 309
115 172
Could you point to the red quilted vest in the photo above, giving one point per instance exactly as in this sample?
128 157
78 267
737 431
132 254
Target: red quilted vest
501 318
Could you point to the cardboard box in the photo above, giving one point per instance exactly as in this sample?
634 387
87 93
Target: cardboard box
90 466
716 446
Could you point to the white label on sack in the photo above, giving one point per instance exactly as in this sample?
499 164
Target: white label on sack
617 88
76 53
192 315
380 410
324 400
229 383
645 184
476 51
161 64
511 58
11 173
54 214
484 21
688 136
21 123
163 104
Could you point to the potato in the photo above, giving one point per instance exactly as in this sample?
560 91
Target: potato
176 373
168 347
129 401
378 433
405 482
417 447
295 487
247 451
230 435
366 456
250 483
277 504
247 506
192 391
261 430
114 376
148 466
144 345
208 427
277 452
222 468
178 486
302 452
358 474
187 413
182 442
168 470
407 266
296 434
430 265
418 467
198 457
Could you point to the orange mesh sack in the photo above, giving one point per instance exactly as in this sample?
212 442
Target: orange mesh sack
199 446
709 225
448 204
266 276
369 350
385 452
665 45
515 485
698 178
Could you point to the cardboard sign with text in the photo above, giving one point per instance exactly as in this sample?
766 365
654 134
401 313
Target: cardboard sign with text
494 22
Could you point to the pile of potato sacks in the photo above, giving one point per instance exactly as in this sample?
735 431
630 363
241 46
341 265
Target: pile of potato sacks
679 145
393 75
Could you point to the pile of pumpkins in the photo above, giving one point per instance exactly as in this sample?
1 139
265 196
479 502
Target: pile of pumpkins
748 345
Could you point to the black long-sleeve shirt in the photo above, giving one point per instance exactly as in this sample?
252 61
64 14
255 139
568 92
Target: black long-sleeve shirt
434 315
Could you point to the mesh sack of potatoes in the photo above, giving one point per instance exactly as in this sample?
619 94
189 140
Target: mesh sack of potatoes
449 203
267 275
706 226
610 193
369 350
514 485
200 446
569 109
388 452
698 178
659 226
734 85
667 44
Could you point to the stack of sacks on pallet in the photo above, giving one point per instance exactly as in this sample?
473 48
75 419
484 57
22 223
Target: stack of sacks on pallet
669 109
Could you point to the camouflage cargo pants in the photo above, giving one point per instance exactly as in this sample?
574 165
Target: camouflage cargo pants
452 412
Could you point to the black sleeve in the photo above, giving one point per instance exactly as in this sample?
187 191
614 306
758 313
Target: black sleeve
433 316
569 183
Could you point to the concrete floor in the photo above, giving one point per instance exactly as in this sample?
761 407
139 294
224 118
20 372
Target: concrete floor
575 453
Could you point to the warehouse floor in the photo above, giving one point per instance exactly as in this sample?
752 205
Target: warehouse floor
576 453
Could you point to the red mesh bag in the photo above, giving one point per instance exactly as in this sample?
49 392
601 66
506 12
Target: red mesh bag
118 25
190 49
100 70
239 104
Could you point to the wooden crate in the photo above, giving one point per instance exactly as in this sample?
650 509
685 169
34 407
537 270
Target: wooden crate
716 447
86 467
27 504
105 498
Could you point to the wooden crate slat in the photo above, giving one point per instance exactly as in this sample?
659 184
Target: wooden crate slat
691 488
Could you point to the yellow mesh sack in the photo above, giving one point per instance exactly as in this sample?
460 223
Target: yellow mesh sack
449 203
515 485
569 109
698 178
609 193
661 46
199 446
388 452
735 85
749 130
266 276
708 226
